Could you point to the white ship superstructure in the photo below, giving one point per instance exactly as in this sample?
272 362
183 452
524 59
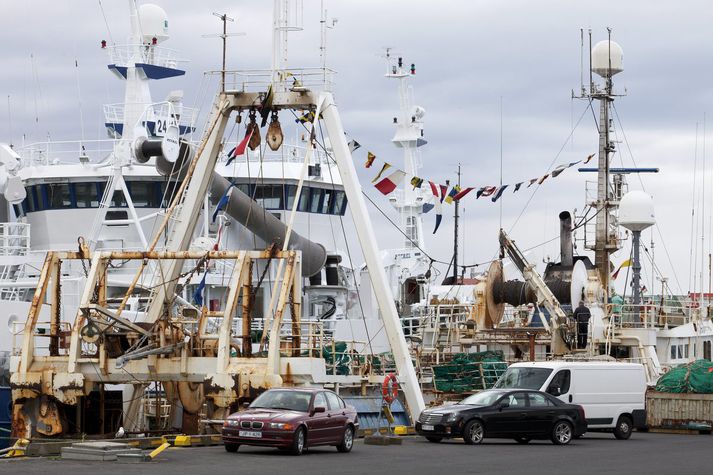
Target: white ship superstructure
110 192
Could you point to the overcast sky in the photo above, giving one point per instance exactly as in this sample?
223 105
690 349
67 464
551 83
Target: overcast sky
470 57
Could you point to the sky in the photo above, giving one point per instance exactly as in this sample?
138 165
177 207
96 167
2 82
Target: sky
485 70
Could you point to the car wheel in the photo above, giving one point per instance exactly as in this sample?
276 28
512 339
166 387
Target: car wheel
522 440
435 440
623 428
299 443
347 440
473 432
231 447
562 433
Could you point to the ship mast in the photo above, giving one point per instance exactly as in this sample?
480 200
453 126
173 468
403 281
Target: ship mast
605 61
455 236
408 136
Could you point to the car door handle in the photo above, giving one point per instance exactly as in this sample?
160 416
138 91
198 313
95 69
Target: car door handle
329 415
570 398
523 415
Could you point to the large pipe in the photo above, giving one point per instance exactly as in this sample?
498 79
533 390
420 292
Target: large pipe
566 249
267 227
253 216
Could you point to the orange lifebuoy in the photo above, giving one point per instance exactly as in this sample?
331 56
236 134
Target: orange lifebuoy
390 388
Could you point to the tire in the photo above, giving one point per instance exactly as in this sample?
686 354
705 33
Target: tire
473 432
562 433
231 447
624 427
435 440
522 440
299 443
347 441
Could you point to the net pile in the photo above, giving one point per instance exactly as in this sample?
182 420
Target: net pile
468 372
696 377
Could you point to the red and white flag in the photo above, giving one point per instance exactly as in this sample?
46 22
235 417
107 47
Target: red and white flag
391 182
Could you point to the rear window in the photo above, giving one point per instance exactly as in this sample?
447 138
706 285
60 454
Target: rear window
523 378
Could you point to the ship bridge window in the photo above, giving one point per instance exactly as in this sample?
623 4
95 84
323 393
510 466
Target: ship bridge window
87 195
145 194
84 195
58 195
303 204
269 196
326 201
316 197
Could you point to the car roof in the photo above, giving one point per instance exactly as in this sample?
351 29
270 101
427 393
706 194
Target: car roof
304 390
576 364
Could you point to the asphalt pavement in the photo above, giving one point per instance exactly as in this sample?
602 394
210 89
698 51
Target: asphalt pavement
594 453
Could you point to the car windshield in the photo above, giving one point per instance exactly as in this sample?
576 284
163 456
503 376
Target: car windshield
289 400
484 398
523 378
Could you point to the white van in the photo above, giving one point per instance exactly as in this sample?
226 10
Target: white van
612 394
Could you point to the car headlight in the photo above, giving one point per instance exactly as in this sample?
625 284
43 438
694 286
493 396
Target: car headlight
451 417
231 423
281 425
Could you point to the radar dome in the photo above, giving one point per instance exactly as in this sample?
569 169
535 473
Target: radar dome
154 23
600 58
636 211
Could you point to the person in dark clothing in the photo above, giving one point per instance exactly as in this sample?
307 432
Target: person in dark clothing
582 316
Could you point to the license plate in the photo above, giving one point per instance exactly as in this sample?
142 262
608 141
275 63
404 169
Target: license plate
427 427
250 433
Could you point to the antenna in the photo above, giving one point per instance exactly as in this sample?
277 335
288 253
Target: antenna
325 25
591 79
581 61
224 36
9 119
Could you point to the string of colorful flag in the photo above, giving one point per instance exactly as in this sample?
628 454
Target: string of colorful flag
386 183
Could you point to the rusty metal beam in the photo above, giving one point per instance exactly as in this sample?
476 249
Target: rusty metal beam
55 275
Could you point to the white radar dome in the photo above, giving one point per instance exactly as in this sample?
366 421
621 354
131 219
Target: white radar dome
600 58
636 211
154 23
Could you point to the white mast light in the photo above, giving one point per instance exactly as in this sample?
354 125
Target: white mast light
607 56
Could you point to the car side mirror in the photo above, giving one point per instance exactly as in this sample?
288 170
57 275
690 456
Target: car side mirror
503 404
555 391
245 404
318 409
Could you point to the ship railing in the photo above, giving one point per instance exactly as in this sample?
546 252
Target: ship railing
288 153
647 315
130 54
42 336
14 239
65 152
182 115
297 79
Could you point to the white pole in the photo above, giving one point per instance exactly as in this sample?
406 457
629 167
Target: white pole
367 239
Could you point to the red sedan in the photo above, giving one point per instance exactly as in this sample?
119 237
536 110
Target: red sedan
293 419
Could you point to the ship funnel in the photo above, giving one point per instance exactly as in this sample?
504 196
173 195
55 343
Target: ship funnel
566 250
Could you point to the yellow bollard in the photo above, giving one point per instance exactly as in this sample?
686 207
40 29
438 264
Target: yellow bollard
159 449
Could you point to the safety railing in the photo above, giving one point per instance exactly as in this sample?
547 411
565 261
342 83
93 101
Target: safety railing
65 152
130 54
155 113
259 80
650 315
14 239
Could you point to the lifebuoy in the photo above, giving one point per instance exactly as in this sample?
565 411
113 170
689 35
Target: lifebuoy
390 388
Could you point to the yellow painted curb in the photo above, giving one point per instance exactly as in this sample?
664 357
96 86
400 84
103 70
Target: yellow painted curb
182 441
